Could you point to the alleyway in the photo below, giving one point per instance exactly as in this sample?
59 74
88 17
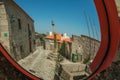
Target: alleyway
38 64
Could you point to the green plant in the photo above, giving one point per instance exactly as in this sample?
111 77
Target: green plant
63 49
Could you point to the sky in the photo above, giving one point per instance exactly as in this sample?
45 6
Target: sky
68 16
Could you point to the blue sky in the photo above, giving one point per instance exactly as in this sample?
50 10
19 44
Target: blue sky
68 15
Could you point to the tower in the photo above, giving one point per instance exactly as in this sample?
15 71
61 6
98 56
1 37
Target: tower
54 34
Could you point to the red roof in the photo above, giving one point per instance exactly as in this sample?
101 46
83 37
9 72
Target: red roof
59 38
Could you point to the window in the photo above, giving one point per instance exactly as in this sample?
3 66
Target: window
21 48
19 24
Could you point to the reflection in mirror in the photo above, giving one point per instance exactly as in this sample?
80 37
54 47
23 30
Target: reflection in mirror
63 43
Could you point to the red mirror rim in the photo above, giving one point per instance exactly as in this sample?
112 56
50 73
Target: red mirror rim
109 24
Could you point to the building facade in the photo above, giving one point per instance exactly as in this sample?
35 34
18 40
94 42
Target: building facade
84 46
16 30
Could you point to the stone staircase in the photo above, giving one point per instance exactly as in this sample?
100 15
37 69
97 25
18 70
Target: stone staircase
52 56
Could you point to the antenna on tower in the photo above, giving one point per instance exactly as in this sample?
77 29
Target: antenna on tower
53 26
95 30
86 17
88 26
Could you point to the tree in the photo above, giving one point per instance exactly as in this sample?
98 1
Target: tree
63 50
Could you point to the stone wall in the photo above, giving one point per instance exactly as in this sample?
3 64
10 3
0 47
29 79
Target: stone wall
90 46
4 29
9 72
85 46
20 30
47 45
69 71
77 45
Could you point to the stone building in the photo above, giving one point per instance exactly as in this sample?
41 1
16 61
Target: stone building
16 30
84 46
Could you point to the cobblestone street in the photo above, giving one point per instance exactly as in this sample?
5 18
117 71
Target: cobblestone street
38 64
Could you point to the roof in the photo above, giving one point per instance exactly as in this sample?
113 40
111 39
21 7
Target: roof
59 38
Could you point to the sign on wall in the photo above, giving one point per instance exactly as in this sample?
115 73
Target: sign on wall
5 34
